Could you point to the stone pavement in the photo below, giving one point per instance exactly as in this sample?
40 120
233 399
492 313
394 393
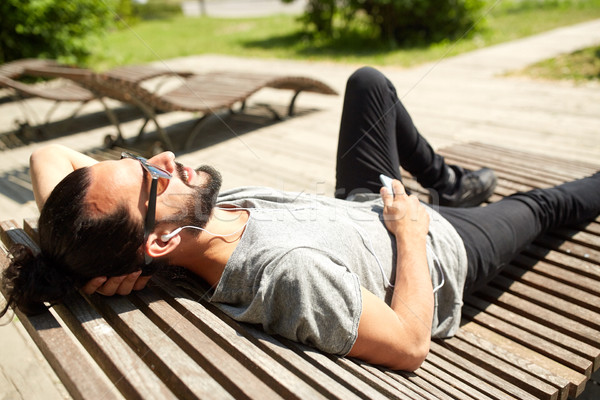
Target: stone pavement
239 8
454 100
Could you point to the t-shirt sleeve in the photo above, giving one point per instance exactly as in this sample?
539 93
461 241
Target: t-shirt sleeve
312 298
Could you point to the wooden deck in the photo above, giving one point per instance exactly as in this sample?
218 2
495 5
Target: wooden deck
533 333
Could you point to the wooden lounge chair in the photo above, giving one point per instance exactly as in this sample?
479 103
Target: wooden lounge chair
532 333
207 93
120 84
66 91
16 69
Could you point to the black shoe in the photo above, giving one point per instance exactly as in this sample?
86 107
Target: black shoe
471 188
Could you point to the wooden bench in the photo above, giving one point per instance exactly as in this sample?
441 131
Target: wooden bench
533 333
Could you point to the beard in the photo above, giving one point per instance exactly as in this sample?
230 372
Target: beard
199 206
197 211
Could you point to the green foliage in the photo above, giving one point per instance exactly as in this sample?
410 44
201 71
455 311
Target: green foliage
579 66
51 28
320 13
522 5
156 9
126 14
283 36
399 21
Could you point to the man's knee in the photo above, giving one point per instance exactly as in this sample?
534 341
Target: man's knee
366 79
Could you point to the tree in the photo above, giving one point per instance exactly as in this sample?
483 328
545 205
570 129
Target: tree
401 21
52 28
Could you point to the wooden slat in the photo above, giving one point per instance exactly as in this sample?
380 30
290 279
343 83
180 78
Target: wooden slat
418 384
436 387
562 169
288 358
541 345
11 234
461 390
465 380
331 378
355 367
584 268
592 227
532 361
399 382
502 388
516 319
573 249
548 301
515 360
239 346
541 161
222 366
571 294
577 236
559 273
177 369
125 368
500 368
406 390
78 373
525 172
328 365
542 315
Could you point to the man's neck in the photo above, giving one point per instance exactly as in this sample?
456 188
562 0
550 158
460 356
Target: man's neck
205 254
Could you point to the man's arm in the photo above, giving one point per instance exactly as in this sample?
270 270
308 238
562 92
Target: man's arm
398 336
49 165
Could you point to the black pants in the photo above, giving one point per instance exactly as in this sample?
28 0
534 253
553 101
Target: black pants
378 136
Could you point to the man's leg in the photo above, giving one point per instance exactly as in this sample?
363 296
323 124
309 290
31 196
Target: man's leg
495 234
377 136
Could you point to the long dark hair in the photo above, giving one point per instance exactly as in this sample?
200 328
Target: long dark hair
74 248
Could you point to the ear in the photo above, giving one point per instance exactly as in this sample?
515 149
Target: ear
156 247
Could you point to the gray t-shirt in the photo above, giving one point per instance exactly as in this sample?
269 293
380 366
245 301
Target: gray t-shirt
302 259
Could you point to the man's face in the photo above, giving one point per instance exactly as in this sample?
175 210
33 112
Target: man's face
188 197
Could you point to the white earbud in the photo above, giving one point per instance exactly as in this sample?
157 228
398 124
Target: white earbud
168 236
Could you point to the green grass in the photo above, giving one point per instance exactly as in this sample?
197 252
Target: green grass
282 37
580 66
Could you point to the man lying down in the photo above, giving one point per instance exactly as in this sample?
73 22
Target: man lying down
372 273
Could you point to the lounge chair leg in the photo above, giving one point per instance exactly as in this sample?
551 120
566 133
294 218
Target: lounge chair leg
276 115
151 115
293 103
68 120
30 116
164 138
51 111
113 120
141 132
195 131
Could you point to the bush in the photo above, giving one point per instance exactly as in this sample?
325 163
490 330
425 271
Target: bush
156 9
410 21
52 28
400 21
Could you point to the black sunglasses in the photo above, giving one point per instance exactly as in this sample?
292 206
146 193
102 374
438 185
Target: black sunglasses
155 172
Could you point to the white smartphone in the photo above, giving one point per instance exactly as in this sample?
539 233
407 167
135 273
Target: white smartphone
387 182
